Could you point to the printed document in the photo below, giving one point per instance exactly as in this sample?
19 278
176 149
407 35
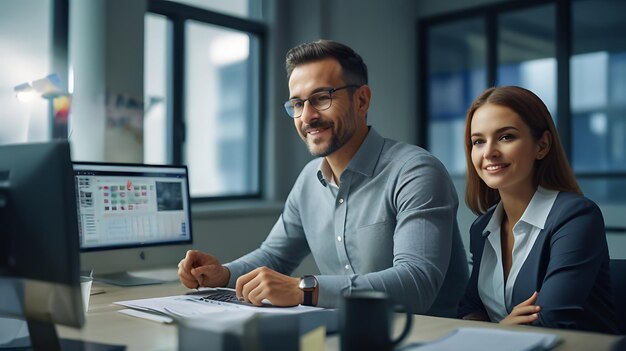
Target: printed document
193 305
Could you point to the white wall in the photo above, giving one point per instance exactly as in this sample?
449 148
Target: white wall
106 55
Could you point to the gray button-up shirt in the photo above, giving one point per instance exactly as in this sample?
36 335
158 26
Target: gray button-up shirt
390 226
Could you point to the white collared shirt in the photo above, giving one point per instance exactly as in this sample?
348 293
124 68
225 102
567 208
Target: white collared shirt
493 292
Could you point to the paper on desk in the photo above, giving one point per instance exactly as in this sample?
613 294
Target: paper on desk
146 315
220 321
485 339
186 306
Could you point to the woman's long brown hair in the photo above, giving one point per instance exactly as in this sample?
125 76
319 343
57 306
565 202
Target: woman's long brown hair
552 172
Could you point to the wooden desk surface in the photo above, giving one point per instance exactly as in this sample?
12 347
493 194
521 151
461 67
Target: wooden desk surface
104 324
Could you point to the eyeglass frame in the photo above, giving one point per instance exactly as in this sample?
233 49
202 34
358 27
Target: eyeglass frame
329 91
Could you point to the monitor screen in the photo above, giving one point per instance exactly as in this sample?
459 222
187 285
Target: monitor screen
138 214
126 205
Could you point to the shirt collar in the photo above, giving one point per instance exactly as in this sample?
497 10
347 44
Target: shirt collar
495 221
366 158
324 173
539 207
536 212
364 161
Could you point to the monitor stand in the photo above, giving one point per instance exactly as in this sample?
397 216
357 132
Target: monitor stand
148 277
43 335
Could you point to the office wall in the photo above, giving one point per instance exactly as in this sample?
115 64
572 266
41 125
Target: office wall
106 56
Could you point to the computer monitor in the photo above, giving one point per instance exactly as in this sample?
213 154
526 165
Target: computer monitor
132 217
39 252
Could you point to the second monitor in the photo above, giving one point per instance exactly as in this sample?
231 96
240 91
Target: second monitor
131 208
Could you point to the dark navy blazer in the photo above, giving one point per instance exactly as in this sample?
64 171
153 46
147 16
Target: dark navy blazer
568 266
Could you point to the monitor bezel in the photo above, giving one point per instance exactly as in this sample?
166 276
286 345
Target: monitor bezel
143 244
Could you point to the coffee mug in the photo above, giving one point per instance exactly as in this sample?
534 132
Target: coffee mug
365 321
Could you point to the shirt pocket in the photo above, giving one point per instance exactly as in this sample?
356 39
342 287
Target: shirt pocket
370 247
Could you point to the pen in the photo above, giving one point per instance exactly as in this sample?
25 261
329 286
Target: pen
96 292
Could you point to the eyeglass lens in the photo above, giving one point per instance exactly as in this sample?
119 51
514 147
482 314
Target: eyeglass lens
319 101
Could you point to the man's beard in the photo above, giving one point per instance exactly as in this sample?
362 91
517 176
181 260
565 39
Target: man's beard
335 142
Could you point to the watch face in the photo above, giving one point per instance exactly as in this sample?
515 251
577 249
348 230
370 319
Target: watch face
308 282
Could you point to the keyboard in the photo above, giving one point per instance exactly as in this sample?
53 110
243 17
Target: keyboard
222 296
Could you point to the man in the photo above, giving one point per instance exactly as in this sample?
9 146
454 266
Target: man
376 214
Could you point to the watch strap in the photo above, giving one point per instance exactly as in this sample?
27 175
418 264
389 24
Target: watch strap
308 284
308 297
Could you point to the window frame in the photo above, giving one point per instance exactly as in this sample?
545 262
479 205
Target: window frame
179 14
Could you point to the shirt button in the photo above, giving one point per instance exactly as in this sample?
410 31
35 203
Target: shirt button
339 238
340 201
347 266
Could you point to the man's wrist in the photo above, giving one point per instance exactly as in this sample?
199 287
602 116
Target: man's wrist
226 274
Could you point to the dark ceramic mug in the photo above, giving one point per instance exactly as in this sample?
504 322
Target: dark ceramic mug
365 322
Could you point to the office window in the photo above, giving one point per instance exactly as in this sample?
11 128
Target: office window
207 95
25 45
221 120
570 53
527 52
457 64
598 97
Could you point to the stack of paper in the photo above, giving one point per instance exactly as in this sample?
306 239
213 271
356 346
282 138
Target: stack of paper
192 305
234 327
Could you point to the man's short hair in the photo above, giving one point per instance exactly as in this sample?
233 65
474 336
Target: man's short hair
353 68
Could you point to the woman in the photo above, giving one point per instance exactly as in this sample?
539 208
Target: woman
538 248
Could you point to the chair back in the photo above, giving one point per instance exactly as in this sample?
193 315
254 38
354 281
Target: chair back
618 284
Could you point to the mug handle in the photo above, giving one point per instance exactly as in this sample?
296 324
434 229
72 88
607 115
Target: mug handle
407 324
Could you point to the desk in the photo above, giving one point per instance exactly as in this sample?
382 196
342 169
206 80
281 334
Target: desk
104 324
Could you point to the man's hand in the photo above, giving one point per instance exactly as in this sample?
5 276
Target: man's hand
264 283
199 269
524 313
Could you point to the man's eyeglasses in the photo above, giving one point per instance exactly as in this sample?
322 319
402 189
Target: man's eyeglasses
320 101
